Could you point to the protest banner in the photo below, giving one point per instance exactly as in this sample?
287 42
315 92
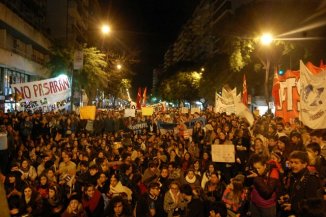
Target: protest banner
87 112
286 95
129 112
138 127
223 153
46 95
147 111
313 96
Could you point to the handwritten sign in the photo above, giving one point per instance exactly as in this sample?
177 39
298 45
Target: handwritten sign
223 153
147 111
46 95
88 112
129 112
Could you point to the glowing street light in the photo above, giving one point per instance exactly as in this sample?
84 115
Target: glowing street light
106 29
266 39
119 67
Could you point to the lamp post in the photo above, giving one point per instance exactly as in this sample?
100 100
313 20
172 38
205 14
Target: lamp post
105 30
266 40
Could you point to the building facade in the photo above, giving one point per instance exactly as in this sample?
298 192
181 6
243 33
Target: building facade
24 49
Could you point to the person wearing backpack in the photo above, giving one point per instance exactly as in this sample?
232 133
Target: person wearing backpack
263 198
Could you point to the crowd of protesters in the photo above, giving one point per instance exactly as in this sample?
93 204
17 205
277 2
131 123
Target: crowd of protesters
58 165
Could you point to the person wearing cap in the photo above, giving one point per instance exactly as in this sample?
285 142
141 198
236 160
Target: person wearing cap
195 207
74 208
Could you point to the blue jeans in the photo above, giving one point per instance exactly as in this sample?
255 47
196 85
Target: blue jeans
262 212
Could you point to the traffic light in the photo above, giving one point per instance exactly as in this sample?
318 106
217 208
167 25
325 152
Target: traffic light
280 72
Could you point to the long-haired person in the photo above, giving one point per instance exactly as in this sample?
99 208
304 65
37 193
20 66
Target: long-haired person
74 208
92 201
54 203
173 201
235 196
118 207
31 203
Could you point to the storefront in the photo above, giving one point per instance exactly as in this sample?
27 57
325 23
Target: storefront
10 76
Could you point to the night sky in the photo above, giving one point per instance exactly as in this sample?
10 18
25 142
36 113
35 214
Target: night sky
146 27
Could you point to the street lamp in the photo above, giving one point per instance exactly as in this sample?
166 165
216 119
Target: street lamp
105 29
119 67
266 39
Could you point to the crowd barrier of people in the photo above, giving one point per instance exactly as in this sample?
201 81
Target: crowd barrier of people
56 165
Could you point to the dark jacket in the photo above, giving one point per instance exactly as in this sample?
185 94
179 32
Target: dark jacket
303 185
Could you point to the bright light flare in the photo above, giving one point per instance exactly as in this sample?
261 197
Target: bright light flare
106 29
266 39
119 66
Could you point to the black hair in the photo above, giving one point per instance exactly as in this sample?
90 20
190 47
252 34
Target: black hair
218 207
315 147
301 155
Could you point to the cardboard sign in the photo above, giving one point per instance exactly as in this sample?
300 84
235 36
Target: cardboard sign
147 111
129 112
223 153
88 112
184 110
195 110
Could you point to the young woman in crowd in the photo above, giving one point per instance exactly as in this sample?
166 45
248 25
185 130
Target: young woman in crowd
74 208
117 189
28 172
14 188
93 202
54 204
43 186
31 203
235 196
173 201
118 207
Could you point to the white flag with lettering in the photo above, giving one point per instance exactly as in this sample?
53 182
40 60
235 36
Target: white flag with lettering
312 96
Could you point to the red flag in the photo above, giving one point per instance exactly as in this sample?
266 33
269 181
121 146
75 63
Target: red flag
139 100
244 91
276 89
144 96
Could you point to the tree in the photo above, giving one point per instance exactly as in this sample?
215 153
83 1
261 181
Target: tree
181 86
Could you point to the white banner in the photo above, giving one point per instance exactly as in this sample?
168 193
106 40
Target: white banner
312 97
46 95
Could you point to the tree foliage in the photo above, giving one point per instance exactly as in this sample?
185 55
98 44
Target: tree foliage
99 70
181 86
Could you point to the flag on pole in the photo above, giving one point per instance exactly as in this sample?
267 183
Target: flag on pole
244 91
139 100
312 96
144 96
276 89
